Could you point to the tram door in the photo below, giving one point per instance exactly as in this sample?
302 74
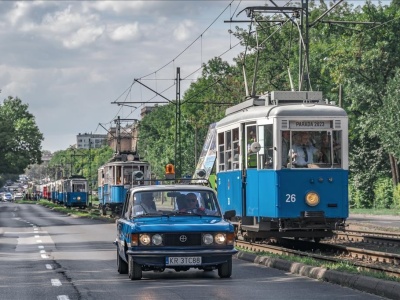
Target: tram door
260 184
229 173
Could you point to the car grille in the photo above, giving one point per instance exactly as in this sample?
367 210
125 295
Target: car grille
182 239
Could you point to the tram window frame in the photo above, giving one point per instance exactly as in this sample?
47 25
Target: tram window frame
315 139
250 164
221 151
235 149
228 150
266 140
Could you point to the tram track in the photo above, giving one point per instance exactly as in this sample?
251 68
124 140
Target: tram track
363 259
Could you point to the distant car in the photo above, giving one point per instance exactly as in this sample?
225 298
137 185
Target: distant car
8 197
18 196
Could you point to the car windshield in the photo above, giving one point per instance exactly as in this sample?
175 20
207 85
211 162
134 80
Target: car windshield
172 203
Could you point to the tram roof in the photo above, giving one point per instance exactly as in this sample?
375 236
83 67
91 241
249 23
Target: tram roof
283 111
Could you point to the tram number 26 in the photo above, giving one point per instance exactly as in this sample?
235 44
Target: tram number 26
290 198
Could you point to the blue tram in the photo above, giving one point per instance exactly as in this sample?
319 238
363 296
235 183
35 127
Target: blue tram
74 192
282 165
116 177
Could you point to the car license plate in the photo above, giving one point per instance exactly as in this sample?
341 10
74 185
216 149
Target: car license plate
183 261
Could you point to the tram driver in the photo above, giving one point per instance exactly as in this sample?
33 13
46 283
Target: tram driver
303 152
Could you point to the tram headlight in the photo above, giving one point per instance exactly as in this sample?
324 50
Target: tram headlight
145 239
312 199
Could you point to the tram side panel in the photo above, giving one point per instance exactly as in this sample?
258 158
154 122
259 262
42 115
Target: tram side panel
230 192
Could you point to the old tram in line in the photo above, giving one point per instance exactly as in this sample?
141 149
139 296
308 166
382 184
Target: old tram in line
258 174
116 177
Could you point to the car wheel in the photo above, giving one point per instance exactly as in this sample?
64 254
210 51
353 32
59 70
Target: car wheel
122 265
134 270
225 269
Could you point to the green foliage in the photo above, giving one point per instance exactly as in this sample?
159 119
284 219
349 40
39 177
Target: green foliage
383 190
396 196
72 161
20 137
202 104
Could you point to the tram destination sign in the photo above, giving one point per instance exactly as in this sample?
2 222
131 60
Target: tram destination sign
310 124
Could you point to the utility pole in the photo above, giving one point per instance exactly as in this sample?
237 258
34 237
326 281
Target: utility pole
90 172
178 148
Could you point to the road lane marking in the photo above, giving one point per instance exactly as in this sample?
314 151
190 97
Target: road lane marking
62 297
56 282
49 267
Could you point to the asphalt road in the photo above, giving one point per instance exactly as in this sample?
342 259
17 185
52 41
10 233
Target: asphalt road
48 255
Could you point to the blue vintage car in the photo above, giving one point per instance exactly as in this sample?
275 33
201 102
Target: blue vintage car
173 226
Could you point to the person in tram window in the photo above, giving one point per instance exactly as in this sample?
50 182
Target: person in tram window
303 151
325 149
251 156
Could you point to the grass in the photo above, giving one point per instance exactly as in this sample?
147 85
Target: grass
73 211
376 211
343 266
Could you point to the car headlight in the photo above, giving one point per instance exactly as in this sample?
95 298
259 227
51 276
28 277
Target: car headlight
208 239
145 239
312 199
220 238
157 239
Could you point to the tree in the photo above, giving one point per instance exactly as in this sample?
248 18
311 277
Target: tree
20 137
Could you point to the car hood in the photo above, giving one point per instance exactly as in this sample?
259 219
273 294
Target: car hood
180 224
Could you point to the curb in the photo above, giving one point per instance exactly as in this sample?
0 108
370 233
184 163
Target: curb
379 287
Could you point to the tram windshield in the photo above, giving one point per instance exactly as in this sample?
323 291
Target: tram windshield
311 149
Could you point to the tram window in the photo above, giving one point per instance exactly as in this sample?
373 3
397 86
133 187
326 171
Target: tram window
221 151
235 148
315 149
251 138
228 150
266 153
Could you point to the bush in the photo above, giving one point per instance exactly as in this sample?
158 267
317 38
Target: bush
383 190
396 196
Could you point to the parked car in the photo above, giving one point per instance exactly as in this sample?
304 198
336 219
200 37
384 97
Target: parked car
18 196
7 197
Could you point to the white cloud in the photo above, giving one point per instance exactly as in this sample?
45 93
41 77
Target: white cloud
83 36
125 32
117 6
19 11
64 21
182 32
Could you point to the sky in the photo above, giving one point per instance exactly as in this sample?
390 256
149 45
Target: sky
70 60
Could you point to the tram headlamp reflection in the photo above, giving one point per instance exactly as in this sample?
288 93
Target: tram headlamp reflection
312 199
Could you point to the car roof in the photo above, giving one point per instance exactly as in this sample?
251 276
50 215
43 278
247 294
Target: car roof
168 187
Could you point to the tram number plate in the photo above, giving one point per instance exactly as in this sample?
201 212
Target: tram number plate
183 261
